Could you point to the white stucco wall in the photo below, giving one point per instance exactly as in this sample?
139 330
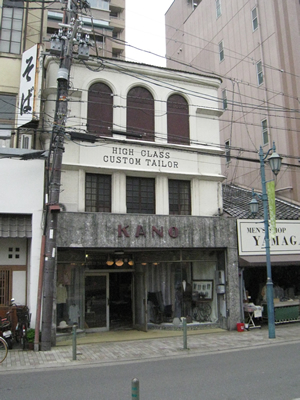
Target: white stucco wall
159 160
22 188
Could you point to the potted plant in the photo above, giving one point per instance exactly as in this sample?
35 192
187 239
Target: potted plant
30 334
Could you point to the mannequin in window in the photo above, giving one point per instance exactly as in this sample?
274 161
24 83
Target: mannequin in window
61 301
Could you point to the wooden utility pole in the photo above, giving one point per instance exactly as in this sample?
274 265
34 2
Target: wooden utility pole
66 35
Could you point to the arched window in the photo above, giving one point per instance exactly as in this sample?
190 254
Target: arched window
100 110
140 113
178 120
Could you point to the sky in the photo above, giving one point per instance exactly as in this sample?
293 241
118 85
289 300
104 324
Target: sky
148 34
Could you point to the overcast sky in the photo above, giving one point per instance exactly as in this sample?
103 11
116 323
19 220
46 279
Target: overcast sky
145 29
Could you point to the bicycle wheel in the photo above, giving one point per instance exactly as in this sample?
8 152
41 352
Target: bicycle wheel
204 312
196 314
3 350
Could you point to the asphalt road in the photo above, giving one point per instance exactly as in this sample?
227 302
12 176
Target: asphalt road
265 373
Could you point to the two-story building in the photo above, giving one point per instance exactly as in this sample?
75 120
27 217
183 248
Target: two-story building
141 203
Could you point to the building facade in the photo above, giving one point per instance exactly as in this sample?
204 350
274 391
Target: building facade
284 254
253 46
25 31
141 198
21 230
24 25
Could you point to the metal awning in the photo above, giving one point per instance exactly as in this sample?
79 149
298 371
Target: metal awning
15 226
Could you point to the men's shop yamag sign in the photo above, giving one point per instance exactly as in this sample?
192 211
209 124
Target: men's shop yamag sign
251 237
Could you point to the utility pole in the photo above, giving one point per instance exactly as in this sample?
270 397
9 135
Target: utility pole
62 44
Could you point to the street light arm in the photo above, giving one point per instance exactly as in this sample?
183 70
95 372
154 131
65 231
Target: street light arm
263 156
274 159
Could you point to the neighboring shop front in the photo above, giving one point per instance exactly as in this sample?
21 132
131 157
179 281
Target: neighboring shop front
121 271
21 206
285 265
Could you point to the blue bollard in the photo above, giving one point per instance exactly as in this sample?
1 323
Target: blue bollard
74 342
184 327
135 389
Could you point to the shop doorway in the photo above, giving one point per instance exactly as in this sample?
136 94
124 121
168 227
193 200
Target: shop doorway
96 315
121 300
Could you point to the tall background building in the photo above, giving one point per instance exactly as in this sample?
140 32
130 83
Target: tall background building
253 46
25 24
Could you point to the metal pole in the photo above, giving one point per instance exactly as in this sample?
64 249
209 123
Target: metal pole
270 294
39 298
74 343
135 389
184 328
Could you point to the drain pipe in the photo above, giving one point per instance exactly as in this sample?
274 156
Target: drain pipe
241 276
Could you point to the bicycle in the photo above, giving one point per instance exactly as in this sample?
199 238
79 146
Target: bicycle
3 349
202 312
22 325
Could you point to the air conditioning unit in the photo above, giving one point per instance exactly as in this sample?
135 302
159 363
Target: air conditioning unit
26 141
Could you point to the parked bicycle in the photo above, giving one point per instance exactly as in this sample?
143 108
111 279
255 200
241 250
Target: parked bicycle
3 349
5 330
23 323
202 312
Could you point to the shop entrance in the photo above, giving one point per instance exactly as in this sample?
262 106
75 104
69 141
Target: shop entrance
120 300
108 301
96 301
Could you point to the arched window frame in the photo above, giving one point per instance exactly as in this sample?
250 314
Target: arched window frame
140 113
100 109
178 120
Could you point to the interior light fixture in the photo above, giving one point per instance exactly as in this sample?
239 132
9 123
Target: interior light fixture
109 261
131 263
119 263
144 263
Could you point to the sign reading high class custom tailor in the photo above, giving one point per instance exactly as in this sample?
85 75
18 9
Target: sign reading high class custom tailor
140 157
136 157
251 237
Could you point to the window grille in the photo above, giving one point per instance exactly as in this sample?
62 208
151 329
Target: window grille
140 195
260 76
179 197
218 8
5 278
224 99
254 19
264 127
221 51
97 193
11 27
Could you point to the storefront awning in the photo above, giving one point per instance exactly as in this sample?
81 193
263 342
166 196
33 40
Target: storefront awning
256 261
15 226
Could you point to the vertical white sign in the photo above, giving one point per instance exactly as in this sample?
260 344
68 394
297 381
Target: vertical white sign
27 83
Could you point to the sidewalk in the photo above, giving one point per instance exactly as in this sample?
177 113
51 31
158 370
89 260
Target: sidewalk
121 346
